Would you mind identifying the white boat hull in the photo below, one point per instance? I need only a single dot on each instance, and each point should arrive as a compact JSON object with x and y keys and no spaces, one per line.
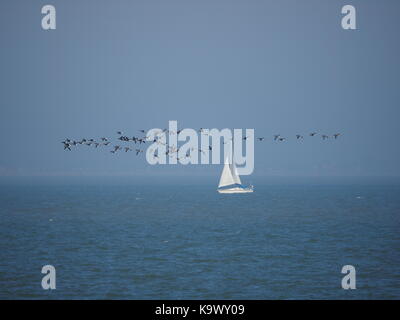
{"x":235,"y":190}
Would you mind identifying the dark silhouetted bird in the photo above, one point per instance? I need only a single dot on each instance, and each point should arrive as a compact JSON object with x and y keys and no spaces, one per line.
{"x":66,"y":145}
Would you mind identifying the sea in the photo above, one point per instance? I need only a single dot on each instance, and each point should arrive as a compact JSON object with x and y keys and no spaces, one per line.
{"x":186,"y":241}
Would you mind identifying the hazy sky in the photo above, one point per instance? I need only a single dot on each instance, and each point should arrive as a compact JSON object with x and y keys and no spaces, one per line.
{"x":282,"y":67}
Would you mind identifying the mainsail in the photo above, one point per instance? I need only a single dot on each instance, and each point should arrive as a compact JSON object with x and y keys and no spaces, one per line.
{"x":235,"y":175}
{"x":226,"y":176}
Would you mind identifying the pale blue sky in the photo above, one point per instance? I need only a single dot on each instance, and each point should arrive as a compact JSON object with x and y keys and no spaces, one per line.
{"x":282,"y":66}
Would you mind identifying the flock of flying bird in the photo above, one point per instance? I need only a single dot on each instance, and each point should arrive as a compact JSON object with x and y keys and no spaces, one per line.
{"x":68,"y":143}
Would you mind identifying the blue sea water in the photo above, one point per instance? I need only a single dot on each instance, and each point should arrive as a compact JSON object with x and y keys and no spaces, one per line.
{"x":189,"y":242}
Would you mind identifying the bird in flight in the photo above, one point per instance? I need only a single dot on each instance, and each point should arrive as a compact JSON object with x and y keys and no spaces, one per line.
{"x":66,"y":145}
{"x":260,"y":139}
{"x":299,"y":136}
{"x":312,"y":134}
{"x":336,"y":135}
{"x":123,"y":138}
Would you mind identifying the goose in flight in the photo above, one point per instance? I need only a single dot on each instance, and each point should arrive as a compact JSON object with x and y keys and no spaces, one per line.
{"x":66,"y":145}
{"x":336,"y":135}
{"x":123,"y":138}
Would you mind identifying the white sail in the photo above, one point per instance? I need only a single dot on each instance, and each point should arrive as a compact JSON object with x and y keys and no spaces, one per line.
{"x":230,"y":177}
{"x":226,"y":176}
{"x":235,"y":175}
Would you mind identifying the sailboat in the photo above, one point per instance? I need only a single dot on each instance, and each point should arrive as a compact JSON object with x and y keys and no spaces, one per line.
{"x":230,"y":180}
